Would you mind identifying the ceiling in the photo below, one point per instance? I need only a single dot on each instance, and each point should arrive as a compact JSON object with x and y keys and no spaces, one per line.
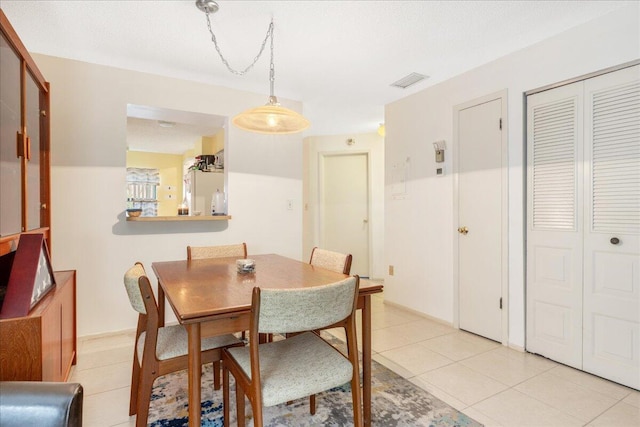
{"x":338,"y":57}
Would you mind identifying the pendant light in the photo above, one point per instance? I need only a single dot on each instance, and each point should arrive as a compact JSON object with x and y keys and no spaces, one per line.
{"x":270,"y":118}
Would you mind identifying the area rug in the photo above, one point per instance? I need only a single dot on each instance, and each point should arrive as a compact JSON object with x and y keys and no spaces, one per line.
{"x":396,"y":402}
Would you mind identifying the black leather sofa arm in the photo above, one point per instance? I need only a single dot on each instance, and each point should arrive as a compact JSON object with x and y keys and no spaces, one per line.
{"x":40,"y":404}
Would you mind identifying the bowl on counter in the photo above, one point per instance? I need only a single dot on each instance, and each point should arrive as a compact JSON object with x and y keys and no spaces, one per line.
{"x":134,"y":212}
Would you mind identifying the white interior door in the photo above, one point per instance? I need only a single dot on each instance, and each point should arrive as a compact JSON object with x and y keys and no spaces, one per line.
{"x":554,"y":224}
{"x":583,"y":225}
{"x":612,"y":227}
{"x":480,"y":250}
{"x":345,"y":207}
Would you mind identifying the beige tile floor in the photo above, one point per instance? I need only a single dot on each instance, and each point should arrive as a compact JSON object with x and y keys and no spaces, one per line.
{"x":491,"y":383}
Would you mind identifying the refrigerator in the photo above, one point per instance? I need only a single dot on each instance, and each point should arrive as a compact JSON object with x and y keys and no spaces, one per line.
{"x":201,"y":186}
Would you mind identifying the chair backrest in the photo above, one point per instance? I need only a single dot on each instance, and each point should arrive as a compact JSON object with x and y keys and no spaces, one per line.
{"x":142,"y":298}
{"x":132,"y":284}
{"x":303,"y":309}
{"x":334,"y":261}
{"x":144,"y":302}
{"x":201,"y":252}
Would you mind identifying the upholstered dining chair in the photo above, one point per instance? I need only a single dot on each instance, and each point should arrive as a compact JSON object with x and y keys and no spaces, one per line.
{"x":199,"y":252}
{"x":303,"y":364}
{"x":222,"y":251}
{"x":160,"y":350}
{"x":334,"y":261}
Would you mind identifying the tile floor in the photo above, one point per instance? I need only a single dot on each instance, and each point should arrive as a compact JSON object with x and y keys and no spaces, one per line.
{"x":491,"y":383}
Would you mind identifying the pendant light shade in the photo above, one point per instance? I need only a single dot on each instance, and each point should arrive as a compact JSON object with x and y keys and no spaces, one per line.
{"x":271,"y":119}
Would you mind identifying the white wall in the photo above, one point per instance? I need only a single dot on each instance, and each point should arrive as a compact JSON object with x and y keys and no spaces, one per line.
{"x":89,"y":232}
{"x":370,"y":143}
{"x":419,"y":228}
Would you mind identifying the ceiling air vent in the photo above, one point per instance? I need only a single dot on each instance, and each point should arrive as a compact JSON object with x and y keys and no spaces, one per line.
{"x":409,"y":80}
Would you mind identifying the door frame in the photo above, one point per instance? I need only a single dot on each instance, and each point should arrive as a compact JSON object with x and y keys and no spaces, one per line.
{"x":322,"y":155}
{"x":503,"y":96}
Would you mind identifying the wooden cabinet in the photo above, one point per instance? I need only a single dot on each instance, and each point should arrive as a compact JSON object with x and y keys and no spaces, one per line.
{"x":24,"y":139}
{"x":37,"y":343}
{"x":42,"y":345}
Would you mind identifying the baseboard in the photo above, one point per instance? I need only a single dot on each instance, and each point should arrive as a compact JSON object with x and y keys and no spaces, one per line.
{"x":419,"y":313}
{"x":517,"y":348}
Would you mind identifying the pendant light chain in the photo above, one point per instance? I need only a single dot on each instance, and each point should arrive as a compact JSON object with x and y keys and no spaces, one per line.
{"x":272,"y":69}
{"x":270,"y":118}
{"x":250,"y":66}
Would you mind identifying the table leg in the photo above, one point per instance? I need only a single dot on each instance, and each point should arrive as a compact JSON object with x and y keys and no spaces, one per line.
{"x":195,"y":373}
{"x":160,"y":305}
{"x":366,"y":359}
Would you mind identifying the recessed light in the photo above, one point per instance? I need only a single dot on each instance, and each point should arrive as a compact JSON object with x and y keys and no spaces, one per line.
{"x":166,"y":124}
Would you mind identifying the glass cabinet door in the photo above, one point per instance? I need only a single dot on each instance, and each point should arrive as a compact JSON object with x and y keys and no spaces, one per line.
{"x":10,"y":124}
{"x":33,"y":156}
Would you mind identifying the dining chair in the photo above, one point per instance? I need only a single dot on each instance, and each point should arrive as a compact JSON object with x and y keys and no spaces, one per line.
{"x":161,"y":350}
{"x":222,"y":251}
{"x":334,"y":261}
{"x":303,"y":364}
{"x":200,"y":252}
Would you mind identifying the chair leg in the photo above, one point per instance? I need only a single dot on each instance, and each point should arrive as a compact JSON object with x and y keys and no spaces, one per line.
{"x":144,"y":398}
{"x":356,"y":394}
{"x":135,"y":380}
{"x":240,"y":406}
{"x":225,"y":396}
{"x":312,"y":404}
{"x":356,"y":397}
{"x":216,"y":375}
{"x":256,"y":407}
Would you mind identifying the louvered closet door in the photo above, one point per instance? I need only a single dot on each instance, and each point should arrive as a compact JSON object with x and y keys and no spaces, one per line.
{"x":612,"y":227}
{"x":554,"y":224}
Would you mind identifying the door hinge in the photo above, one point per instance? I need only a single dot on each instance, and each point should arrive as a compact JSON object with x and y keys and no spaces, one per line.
{"x":500,"y":303}
{"x":501,"y":123}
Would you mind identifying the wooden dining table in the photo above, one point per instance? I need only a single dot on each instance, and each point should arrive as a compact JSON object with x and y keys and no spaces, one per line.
{"x":209,"y":297}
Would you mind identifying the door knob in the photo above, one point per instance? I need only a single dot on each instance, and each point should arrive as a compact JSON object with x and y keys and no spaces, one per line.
{"x":463,"y":230}
{"x":614,"y":240}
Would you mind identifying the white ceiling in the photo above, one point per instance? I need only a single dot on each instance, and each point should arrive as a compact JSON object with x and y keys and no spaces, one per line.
{"x":337,"y":57}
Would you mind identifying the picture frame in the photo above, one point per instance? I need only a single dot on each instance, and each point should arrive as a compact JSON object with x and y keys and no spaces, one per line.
{"x":31,"y":276}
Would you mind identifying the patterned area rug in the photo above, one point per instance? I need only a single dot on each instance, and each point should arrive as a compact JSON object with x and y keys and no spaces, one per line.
{"x":395,"y":402}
